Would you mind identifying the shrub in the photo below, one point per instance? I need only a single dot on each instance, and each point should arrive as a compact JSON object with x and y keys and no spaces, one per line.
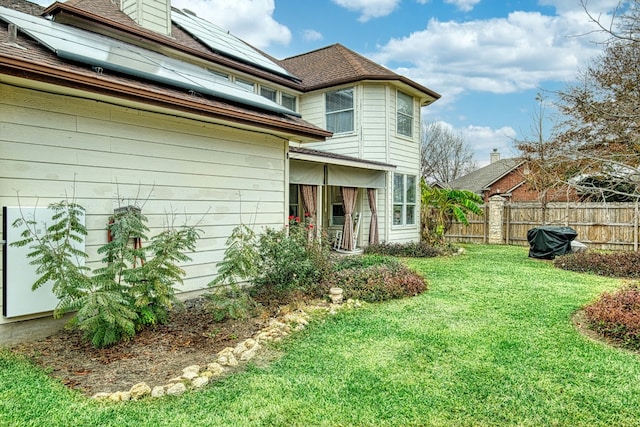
{"x":290,"y":264}
{"x":619,"y":264}
{"x":411,"y":249}
{"x":134,"y":288}
{"x":363,"y":261}
{"x":276,"y":266}
{"x":230,"y":303}
{"x":617,"y":316}
{"x":378,"y":282}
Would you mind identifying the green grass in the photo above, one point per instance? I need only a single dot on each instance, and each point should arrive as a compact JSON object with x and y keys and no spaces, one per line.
{"x":490,"y":344}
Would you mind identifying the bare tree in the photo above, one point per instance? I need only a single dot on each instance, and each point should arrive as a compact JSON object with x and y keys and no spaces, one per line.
{"x":541,"y":153}
{"x":445,"y":154}
{"x":601,"y":133}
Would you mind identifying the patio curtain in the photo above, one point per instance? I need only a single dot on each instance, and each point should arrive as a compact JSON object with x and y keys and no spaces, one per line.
{"x":349,"y":196}
{"x":373,"y":226}
{"x":309,"y":203}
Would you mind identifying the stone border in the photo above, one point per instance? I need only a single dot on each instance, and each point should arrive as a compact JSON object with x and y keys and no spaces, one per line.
{"x":195,"y":377}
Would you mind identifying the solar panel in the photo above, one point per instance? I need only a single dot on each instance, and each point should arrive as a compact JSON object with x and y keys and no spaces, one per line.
{"x":93,"y":49}
{"x":222,"y":42}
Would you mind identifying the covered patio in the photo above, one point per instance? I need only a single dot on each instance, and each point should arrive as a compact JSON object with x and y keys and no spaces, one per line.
{"x":344,"y":195}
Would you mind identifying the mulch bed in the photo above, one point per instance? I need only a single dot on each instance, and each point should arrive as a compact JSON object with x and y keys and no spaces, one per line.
{"x":154,"y":355}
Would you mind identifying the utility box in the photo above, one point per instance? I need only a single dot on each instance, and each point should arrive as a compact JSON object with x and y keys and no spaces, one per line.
{"x":547,"y":242}
{"x":18,"y":298}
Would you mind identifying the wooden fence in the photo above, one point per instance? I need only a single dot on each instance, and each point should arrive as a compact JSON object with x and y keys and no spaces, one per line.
{"x":612,"y":226}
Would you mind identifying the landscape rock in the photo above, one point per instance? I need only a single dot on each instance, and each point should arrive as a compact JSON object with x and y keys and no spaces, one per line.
{"x":215,"y":368}
{"x":189,"y":375}
{"x":200,"y":382}
{"x":250,"y":353}
{"x":120,"y":396}
{"x":227,"y":358}
{"x":192,"y":368}
{"x":176,"y":389}
{"x":239,"y":349}
{"x":158,"y":391}
{"x":140,"y":390}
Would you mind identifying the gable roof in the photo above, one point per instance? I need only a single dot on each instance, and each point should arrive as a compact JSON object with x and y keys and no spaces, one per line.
{"x":481,"y":179}
{"x":335,"y":65}
{"x":28,"y":61}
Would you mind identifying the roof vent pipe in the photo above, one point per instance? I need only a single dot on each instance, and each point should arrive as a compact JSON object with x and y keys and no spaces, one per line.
{"x":12,"y":36}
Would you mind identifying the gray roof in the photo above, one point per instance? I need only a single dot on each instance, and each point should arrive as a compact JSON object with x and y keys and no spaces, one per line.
{"x":480,"y":179}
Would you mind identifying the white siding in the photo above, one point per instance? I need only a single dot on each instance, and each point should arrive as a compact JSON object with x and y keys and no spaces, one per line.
{"x":312,"y":108}
{"x":54,"y":146}
{"x":374,"y":139}
{"x":404,"y":152}
{"x":375,"y":122}
{"x":154,"y":15}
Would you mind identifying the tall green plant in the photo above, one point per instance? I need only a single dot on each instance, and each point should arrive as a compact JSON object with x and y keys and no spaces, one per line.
{"x":229,"y":299}
{"x":134,"y":287}
{"x":442,"y":206}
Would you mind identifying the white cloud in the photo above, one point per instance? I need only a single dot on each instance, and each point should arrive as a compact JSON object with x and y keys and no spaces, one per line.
{"x":501,"y":55}
{"x":483,"y":140}
{"x":312,"y":35}
{"x":250,"y":20}
{"x":369,"y":8}
{"x":463,"y":5}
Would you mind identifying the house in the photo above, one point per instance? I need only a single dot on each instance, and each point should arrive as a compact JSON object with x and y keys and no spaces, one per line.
{"x":506,"y":178}
{"x":374,"y":115}
{"x":137,"y":103}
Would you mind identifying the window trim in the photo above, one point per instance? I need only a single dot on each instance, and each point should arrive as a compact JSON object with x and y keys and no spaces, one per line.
{"x":271,"y":91}
{"x":245,"y":84}
{"x":294,"y":98}
{"x":404,"y":204}
{"x":344,"y":110}
{"x":399,"y":113}
{"x":335,"y":201}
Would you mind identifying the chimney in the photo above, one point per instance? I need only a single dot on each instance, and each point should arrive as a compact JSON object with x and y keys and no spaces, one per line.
{"x":154,"y":15}
{"x":495,"y":156}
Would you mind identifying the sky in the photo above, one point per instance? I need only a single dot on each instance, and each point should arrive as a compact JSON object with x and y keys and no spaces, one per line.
{"x":487,"y":58}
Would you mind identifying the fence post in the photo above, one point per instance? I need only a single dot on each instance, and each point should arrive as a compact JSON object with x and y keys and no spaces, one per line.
{"x":496,"y":213}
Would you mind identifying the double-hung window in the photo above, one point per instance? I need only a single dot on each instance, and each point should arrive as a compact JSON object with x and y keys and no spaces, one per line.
{"x":405,"y":114}
{"x":339,"y":110}
{"x":404,"y":199}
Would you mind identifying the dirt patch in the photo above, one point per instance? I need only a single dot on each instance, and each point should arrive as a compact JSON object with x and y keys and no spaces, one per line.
{"x":581,"y":323}
{"x":155,"y":355}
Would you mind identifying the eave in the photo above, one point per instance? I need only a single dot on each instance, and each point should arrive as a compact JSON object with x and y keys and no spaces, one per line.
{"x":70,"y":15}
{"x":23,"y":72}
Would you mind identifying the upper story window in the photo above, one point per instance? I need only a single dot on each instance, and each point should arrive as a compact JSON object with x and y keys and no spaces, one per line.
{"x":245,"y":84}
{"x":289,"y":101}
{"x":269,"y":93}
{"x":220,"y":74}
{"x":405,"y":114}
{"x":339,"y":110}
{"x":404,"y":199}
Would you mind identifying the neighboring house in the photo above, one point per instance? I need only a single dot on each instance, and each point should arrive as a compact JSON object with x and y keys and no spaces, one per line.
{"x":505,"y":178}
{"x":139,"y":103}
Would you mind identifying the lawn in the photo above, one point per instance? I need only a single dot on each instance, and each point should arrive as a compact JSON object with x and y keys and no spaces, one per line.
{"x":490,"y":344}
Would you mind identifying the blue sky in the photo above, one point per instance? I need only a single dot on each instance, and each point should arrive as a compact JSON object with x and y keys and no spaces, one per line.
{"x":487,"y":58}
